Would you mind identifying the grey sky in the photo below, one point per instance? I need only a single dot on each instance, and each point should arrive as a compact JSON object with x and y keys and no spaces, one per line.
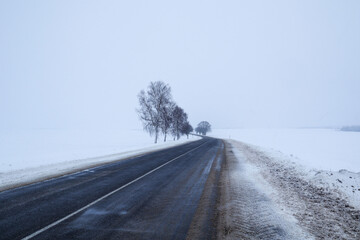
{"x":233,"y":63}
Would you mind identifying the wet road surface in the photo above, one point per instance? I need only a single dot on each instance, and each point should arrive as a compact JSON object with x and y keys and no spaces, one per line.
{"x":154,"y":196}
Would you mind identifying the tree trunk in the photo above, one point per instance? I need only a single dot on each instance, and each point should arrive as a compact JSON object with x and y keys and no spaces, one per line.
{"x":165,"y":138}
{"x":156,"y":137}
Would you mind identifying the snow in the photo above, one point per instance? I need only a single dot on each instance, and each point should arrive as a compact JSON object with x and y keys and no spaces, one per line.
{"x":323,"y":203}
{"x":325,"y":149}
{"x":327,"y":158}
{"x":35,"y":155}
{"x":248,"y":172}
{"x":344,"y":183}
{"x":249,"y":203}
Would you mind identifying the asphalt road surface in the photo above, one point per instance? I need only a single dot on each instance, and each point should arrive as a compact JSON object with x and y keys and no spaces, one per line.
{"x":153,"y":196}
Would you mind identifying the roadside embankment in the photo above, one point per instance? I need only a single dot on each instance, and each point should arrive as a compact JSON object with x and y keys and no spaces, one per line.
{"x":264,"y":198}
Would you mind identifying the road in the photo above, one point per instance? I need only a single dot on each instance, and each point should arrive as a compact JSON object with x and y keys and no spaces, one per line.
{"x":160,"y":195}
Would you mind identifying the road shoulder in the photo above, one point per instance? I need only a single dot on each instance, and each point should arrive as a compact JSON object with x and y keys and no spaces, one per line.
{"x":205,"y":220}
{"x":309,"y":211}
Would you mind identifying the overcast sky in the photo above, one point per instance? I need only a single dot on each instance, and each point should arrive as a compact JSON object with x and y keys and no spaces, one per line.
{"x":68,"y":64}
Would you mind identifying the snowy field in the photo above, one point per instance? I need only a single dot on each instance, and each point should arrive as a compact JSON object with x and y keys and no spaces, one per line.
{"x":26,"y":149}
{"x":34,"y":155}
{"x":327,"y":158}
{"x":323,"y":149}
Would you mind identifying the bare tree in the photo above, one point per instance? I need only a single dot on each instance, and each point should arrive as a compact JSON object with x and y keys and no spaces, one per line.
{"x":179,"y":117}
{"x":152,"y":105}
{"x":158,"y":112}
{"x":203,"y":128}
{"x":148,"y":115}
{"x":197,"y":131}
{"x":186,"y":129}
{"x":167,"y":118}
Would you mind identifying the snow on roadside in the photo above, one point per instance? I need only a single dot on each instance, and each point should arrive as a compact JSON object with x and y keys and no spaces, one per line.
{"x":248,"y":207}
{"x":39,"y":155}
{"x":322,"y":209}
{"x":343,"y":183}
{"x":321,"y":155}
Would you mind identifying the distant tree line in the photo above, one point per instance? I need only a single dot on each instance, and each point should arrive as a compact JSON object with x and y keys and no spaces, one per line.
{"x":160,"y":114}
{"x":203,"y":128}
{"x":351,"y":128}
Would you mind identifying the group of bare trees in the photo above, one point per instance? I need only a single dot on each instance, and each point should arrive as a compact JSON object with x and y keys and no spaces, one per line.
{"x":159,"y":113}
{"x":203,"y":128}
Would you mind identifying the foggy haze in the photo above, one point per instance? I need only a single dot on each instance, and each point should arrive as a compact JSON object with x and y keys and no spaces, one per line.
{"x":70,"y":64}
